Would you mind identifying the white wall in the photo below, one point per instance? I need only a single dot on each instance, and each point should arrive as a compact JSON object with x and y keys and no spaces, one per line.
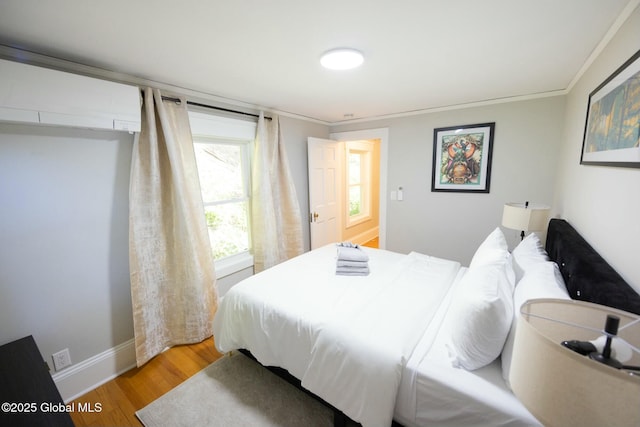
{"x":452,"y":225}
{"x":64,"y":258}
{"x":602,"y":203}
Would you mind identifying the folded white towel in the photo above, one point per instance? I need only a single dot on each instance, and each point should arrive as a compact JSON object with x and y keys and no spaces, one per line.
{"x":352,"y":254}
{"x":352,"y":271}
{"x":353,"y":267}
{"x":356,"y":264}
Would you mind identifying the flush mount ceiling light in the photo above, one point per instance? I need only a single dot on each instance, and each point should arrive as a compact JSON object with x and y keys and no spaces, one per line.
{"x":342,"y":59}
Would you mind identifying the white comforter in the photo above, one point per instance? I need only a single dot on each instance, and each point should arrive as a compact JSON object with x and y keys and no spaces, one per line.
{"x":346,"y":338}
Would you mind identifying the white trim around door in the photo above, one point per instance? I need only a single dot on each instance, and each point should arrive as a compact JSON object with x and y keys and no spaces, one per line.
{"x":383,"y":135}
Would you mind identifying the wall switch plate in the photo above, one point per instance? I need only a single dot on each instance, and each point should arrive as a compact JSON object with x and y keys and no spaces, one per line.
{"x":61,"y":359}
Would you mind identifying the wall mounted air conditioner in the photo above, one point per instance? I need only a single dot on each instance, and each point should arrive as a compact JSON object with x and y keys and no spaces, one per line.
{"x":40,"y":95}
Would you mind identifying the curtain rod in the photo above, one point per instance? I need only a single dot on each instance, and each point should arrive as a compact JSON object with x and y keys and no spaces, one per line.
{"x":228,"y":110}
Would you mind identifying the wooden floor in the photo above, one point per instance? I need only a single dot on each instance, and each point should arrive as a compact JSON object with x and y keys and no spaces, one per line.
{"x":121,"y":397}
{"x":373,"y":243}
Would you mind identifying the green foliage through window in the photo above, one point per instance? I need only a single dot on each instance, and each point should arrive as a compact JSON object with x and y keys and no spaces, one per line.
{"x":223,"y":181}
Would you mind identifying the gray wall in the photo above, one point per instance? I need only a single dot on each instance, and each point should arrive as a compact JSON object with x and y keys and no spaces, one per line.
{"x":64,"y":258}
{"x":603,"y":203}
{"x":295,"y":134}
{"x":452,"y":225}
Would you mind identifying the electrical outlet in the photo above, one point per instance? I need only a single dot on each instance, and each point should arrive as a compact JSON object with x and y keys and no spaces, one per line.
{"x":61,"y":359}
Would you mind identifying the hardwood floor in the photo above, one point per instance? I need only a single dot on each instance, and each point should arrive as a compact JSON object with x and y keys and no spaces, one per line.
{"x":373,"y":243}
{"x":121,"y":397}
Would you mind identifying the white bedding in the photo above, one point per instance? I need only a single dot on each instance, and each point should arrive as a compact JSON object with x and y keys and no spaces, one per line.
{"x":374,"y":346}
{"x":347,"y":338}
{"x":436,"y":394}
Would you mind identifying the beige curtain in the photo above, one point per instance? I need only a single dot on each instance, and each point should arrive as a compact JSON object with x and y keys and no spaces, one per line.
{"x":276,"y":225}
{"x":172,"y":275}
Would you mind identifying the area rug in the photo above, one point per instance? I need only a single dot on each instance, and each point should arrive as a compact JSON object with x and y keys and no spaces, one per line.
{"x":235,"y":391}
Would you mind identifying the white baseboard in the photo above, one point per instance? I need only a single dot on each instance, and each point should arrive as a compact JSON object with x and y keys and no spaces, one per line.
{"x":83,"y":377}
{"x":366,"y":236}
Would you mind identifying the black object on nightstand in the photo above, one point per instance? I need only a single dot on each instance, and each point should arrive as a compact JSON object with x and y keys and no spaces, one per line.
{"x":28,"y":395}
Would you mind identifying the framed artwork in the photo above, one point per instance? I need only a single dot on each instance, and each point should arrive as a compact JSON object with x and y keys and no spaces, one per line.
{"x":462,"y":158}
{"x":612,"y":129}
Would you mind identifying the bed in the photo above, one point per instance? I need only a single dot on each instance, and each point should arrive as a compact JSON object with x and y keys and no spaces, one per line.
{"x":421,"y":340}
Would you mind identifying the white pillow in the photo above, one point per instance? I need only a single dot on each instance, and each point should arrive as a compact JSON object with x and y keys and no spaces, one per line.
{"x":480,"y":316}
{"x":529,"y":253}
{"x":493,"y":249}
{"x":542,"y":280}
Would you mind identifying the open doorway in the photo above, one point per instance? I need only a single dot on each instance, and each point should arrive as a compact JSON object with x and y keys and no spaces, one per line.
{"x":361,"y":192}
{"x":339,"y":207}
{"x":344,"y":191}
{"x":363,"y":232}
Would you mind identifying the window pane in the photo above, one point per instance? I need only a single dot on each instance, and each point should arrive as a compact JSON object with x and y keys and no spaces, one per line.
{"x":220,"y":171}
{"x":354,"y":168}
{"x":228,"y":231}
{"x":355,"y":200}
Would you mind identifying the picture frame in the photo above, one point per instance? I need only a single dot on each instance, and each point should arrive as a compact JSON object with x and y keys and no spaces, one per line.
{"x":462,"y":158}
{"x":612,"y":127}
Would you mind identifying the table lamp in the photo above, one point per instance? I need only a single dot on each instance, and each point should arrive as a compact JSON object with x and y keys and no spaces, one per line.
{"x":564,"y":386}
{"x":524,"y":217}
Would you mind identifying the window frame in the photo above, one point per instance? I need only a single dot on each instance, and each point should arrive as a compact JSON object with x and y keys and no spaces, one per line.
{"x":244,"y":149}
{"x":214,"y":129}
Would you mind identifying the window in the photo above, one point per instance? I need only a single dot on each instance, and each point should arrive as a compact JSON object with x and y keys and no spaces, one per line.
{"x":359,"y":157}
{"x":355,"y":184}
{"x":222,"y":169}
{"x":223,"y":149}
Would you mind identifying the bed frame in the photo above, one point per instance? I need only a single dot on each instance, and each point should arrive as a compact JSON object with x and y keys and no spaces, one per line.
{"x":339,"y":418}
{"x":587,"y":275}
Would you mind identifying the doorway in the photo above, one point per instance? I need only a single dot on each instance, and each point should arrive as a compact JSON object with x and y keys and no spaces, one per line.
{"x":381,"y":134}
{"x":361,"y":191}
{"x":319,"y":231}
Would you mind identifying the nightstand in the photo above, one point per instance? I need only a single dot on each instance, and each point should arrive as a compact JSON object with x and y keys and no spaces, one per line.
{"x":28,"y":395}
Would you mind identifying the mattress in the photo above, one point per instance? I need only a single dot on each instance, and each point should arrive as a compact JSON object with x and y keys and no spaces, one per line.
{"x":346,"y":338}
{"x":430,"y":391}
{"x":374,"y":347}
{"x":435,"y":394}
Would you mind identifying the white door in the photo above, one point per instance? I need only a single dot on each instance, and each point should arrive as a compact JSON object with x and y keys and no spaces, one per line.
{"x":325,"y":176}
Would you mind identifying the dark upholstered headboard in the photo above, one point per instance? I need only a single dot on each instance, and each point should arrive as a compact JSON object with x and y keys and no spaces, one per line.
{"x":587,"y":275}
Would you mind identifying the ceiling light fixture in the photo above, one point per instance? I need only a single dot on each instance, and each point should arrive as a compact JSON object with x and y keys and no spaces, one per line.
{"x":342,"y":59}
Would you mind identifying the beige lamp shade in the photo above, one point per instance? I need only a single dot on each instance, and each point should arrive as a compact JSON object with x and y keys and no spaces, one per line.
{"x":525,"y":216}
{"x":563,"y":388}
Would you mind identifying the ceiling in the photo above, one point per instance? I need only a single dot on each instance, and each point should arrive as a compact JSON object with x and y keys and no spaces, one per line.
{"x":419,"y":54}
